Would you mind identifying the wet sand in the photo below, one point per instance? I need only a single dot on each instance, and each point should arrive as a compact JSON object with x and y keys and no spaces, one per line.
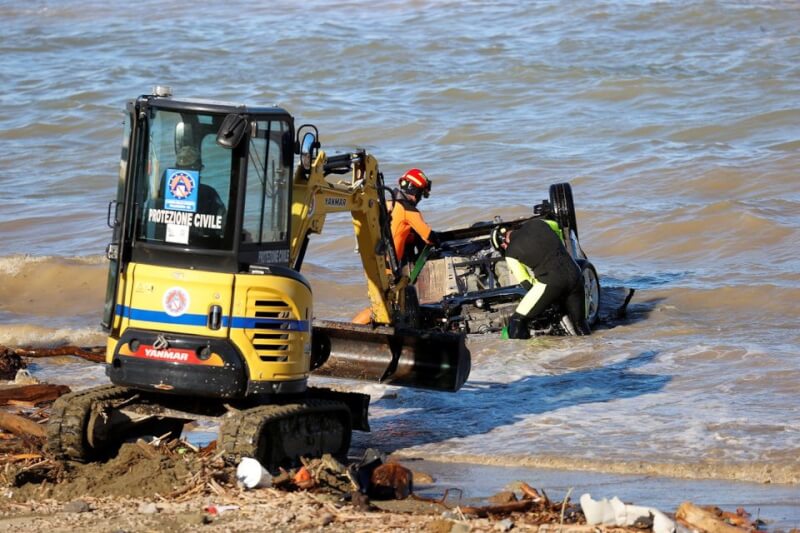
{"x":777,"y":504}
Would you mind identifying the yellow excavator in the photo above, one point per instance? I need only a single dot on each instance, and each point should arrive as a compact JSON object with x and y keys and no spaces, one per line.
{"x":208,"y":314}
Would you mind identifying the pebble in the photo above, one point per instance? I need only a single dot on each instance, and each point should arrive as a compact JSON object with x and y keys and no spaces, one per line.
{"x":460,"y":527}
{"x":148,"y":508}
{"x":77,"y":506}
{"x":326,"y":519}
{"x":505,"y":525}
{"x":505,"y":496}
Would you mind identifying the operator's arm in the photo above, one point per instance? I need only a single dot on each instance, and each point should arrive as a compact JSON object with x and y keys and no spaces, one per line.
{"x":418,"y":224}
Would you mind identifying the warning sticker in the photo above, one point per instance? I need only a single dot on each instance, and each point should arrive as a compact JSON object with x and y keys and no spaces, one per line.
{"x":182,"y":186}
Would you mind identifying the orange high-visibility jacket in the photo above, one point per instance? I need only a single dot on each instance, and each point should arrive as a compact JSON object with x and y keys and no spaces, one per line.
{"x":405,"y":219}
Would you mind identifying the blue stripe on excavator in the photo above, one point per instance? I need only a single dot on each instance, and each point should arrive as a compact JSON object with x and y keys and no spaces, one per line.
{"x":238,"y":322}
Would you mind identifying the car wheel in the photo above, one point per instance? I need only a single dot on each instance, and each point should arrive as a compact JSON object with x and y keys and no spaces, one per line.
{"x":591,"y":290}
{"x":563,"y":206}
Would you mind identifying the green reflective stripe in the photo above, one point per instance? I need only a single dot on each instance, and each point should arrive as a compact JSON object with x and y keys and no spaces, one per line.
{"x":519,"y":271}
{"x":555,"y":227}
{"x":423,"y":257}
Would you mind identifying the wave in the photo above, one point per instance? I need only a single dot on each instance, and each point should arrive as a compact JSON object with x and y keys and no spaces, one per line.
{"x":28,"y":335}
{"x":780,"y":471}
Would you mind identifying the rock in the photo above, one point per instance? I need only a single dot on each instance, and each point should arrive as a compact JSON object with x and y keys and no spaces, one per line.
{"x":360,"y":501}
{"x":148,"y":508}
{"x":77,"y":506}
{"x":391,"y":481}
{"x":505,"y":525}
{"x":422,"y":478}
{"x":502,"y":497}
{"x":10,"y":362}
{"x":439,"y":525}
{"x":326,"y":519}
{"x":460,"y":527}
{"x":193,"y":519}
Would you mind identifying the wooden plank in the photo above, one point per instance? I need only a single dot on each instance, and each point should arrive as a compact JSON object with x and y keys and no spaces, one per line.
{"x":20,"y":425}
{"x":31,"y":395}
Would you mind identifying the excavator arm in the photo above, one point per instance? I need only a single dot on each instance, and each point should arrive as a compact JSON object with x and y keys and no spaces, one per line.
{"x":316,"y":194}
{"x":390,"y":350}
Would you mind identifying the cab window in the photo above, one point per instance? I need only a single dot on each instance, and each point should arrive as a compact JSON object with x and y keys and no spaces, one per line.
{"x":184,"y":189}
{"x":266,"y":203}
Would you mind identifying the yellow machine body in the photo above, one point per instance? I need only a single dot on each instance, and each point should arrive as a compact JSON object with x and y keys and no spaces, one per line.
{"x":263,"y":320}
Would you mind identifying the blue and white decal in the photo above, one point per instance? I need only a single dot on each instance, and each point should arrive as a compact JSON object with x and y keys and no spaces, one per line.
{"x":182,"y":186}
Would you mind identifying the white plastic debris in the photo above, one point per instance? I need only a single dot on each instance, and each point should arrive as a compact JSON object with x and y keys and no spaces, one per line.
{"x":617,"y":513}
{"x":24,"y":377}
{"x":252,"y":475}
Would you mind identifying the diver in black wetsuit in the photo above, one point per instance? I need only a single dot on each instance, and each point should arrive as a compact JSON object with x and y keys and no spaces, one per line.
{"x":538,"y":259}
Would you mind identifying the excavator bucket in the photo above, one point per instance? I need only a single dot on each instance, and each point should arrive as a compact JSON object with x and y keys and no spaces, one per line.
{"x":408,"y":358}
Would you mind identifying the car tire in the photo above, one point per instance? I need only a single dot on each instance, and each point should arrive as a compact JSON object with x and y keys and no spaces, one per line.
{"x":591,"y":289}
{"x":563,"y":206}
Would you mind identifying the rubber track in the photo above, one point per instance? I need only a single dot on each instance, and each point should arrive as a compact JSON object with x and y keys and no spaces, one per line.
{"x":66,"y":428}
{"x":239,"y":433}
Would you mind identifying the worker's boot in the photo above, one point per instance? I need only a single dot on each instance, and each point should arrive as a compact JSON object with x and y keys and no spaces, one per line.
{"x":517,"y":327}
{"x":575,"y":327}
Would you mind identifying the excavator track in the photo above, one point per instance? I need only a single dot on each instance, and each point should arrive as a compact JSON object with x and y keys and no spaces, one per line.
{"x":69,"y":419}
{"x":278,"y":435}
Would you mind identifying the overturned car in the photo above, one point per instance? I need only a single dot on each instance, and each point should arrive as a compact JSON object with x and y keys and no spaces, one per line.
{"x":464,"y":284}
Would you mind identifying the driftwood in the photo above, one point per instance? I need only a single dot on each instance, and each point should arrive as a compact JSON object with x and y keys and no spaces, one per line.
{"x":696,"y":517}
{"x":500,"y":509}
{"x":94,"y":354}
{"x":20,"y":425}
{"x":31,"y":395}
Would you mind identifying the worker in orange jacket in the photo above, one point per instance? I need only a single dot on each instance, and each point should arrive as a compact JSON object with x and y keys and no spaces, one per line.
{"x":408,"y":226}
{"x":409,"y":229}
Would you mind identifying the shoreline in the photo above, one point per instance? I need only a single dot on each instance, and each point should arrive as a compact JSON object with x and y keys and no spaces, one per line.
{"x":753,"y":473}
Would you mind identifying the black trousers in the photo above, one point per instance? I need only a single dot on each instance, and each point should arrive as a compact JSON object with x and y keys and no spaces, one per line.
{"x":559,"y":279}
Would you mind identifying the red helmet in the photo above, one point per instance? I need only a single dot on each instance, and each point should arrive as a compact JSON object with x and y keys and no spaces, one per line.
{"x":415,"y":182}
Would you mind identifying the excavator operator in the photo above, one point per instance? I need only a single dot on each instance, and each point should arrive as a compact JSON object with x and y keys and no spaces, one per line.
{"x":409,"y":229}
{"x":540,"y":262}
{"x":408,"y":226}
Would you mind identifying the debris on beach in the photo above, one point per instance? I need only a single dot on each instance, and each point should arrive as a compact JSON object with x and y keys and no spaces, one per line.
{"x":32,"y":395}
{"x":714,"y":520}
{"x":166,"y":473}
{"x":10,"y":363}
{"x":170,"y":472}
{"x":95,"y":354}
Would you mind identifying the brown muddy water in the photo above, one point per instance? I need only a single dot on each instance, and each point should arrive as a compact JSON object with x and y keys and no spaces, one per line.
{"x":677,"y":124}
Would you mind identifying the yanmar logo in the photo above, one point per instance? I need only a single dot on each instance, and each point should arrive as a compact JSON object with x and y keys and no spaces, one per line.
{"x":172,"y":355}
{"x":168,"y":355}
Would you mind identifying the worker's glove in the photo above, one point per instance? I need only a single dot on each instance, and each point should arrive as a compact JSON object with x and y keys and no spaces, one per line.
{"x":527,"y":285}
{"x":518,"y":327}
